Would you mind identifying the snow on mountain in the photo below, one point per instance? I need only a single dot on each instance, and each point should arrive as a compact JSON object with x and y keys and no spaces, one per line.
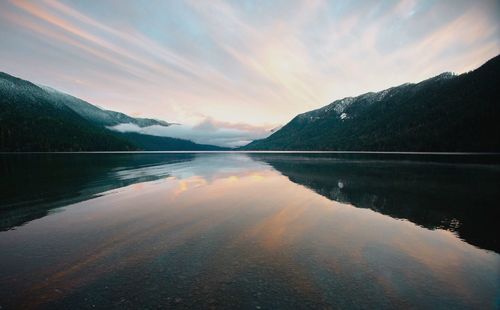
{"x":98,"y":115}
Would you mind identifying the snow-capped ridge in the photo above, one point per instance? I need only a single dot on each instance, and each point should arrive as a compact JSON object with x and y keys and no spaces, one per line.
{"x":96,"y":113}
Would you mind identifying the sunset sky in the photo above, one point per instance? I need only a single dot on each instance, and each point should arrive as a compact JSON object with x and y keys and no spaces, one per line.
{"x":239,"y":68}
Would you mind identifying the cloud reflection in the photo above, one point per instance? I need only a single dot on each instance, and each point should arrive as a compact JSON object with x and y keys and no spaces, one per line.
{"x":224,"y":222}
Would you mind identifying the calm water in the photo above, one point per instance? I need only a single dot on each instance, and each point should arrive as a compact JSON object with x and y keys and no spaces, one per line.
{"x":255,"y":231}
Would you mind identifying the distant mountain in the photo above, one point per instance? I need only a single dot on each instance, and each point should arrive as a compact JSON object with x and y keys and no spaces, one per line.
{"x":445,"y":113}
{"x":38,"y":118}
{"x":156,"y":143}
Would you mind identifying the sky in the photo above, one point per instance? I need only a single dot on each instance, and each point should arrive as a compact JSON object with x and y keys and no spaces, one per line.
{"x":229,"y":71}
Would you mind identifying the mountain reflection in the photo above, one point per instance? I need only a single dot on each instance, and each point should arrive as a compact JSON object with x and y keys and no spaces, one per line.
{"x":459,"y":197}
{"x":455,"y":196}
{"x":33,"y":184}
{"x":231,"y":230}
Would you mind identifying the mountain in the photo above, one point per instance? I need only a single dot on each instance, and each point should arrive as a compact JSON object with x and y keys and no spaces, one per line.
{"x":156,"y":143}
{"x":446,"y":113}
{"x":31,"y":121}
{"x":38,"y":118}
{"x":95,"y":114}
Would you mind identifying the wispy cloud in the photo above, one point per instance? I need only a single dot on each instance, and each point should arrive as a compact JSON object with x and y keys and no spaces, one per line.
{"x":247,"y":63}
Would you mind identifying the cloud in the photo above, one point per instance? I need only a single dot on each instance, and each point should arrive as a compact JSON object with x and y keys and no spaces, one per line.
{"x":208,"y":131}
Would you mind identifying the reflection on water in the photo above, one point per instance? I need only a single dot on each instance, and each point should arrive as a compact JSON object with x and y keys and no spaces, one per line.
{"x":254,"y":231}
{"x":34,"y":184}
{"x":454,"y":196}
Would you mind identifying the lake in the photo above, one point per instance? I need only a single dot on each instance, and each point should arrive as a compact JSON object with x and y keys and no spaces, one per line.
{"x":247,"y":230}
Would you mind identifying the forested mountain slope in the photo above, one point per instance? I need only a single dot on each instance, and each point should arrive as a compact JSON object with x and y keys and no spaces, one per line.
{"x":445,"y":113}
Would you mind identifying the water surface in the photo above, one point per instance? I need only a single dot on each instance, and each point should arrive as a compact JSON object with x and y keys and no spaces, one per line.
{"x":248,"y":231}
